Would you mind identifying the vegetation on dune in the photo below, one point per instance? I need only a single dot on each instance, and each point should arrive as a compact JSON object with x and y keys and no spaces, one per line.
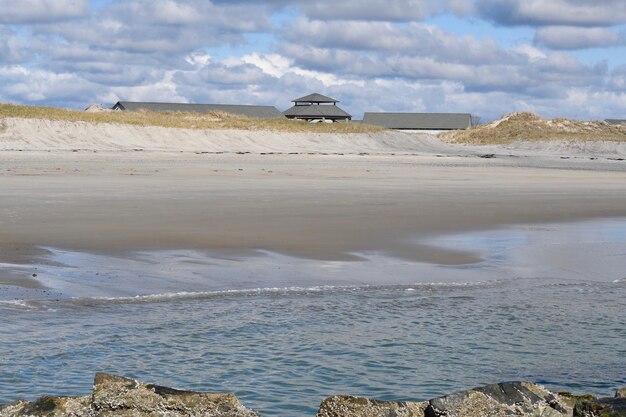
{"x":516,"y":127}
{"x":210,"y":120}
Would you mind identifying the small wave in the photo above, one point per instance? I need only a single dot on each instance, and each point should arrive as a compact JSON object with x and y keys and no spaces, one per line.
{"x":196,"y":295}
{"x":271,"y":291}
{"x":25,"y":305}
{"x":17,"y":303}
{"x":44,"y":305}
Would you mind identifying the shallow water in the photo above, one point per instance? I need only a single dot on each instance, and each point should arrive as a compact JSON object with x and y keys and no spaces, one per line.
{"x":382,"y":328}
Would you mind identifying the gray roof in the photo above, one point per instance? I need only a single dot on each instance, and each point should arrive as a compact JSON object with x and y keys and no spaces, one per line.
{"x":616,"y":121}
{"x":315,"y":98}
{"x":253,"y":112}
{"x":316,"y":111}
{"x":419,"y":121}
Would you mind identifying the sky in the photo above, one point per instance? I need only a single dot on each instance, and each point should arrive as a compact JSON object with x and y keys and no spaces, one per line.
{"x":556,"y":58}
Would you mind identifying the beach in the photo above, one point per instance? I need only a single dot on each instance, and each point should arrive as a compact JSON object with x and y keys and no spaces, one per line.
{"x":308,"y":205}
{"x":450,"y":265}
{"x":313,"y":206}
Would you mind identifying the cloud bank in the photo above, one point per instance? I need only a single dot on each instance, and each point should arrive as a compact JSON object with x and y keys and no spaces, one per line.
{"x":394,"y":55}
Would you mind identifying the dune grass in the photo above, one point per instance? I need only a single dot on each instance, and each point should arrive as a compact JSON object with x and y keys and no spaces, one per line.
{"x":529,"y":127}
{"x":211,"y":120}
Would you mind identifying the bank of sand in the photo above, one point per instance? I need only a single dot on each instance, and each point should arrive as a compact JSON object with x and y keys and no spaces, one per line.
{"x":295,"y":195}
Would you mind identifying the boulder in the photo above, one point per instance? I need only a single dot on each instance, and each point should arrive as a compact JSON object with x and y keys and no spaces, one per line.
{"x":500,"y":400}
{"x":347,"y":406}
{"x":602,"y":407}
{"x":620,"y":393}
{"x":114,"y":396}
{"x":49,"y":406}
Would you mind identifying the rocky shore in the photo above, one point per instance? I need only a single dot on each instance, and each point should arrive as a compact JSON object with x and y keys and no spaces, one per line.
{"x":122,"y":397}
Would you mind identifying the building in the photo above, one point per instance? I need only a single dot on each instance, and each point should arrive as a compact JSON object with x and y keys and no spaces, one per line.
{"x":419,"y":121}
{"x":316,"y":108}
{"x":253,"y":112}
{"x":616,"y":121}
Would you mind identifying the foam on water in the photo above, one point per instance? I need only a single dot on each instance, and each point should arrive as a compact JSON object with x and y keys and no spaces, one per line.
{"x":46,"y":304}
{"x":192,"y":273}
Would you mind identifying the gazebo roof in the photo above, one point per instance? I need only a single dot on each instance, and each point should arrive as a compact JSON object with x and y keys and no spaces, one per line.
{"x":316,"y":112}
{"x":315,"y":98}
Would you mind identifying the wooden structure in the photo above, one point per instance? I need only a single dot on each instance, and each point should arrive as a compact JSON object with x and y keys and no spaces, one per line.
{"x":316,"y":108}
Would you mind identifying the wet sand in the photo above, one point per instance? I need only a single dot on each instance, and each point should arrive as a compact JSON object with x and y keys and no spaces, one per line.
{"x":326,"y":207}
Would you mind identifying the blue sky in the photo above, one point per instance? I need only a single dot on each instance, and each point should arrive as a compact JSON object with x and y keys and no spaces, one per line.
{"x":487,"y":57}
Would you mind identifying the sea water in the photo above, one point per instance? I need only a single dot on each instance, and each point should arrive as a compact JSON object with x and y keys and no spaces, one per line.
{"x":383,"y":328}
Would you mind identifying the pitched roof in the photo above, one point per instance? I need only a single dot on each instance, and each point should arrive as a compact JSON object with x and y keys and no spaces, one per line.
{"x":616,"y":121}
{"x":424,"y":121}
{"x":316,"y":111}
{"x":253,"y":112}
{"x":315,"y":98}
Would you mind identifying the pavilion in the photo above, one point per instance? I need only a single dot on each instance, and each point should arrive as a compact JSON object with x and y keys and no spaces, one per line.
{"x":316,"y":108}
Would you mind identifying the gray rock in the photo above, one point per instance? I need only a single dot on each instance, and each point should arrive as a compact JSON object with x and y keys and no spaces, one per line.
{"x":346,"y":406}
{"x":620,"y":393}
{"x":603,"y":407}
{"x":114,"y":396}
{"x":500,"y":400}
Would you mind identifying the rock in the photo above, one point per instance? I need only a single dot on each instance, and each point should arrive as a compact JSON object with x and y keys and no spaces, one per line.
{"x":603,"y":407}
{"x":499,"y":400}
{"x":620,"y":393}
{"x":49,"y":406}
{"x":346,"y":406}
{"x":114,"y":396}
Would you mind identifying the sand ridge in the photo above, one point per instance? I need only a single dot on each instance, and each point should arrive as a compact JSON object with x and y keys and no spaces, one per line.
{"x":44,"y":135}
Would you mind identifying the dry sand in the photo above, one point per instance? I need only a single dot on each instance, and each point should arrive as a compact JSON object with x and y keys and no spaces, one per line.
{"x":305,"y":201}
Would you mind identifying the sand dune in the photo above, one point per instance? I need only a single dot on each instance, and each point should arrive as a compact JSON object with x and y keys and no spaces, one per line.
{"x":529,"y":127}
{"x":41,"y":135}
{"x":56,"y":135}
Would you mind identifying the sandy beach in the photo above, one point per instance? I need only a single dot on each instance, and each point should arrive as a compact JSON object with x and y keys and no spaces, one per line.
{"x":333,"y":257}
{"x":291,"y":199}
{"x":112,"y":188}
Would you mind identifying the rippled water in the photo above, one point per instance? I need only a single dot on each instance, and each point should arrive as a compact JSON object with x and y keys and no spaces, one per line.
{"x":283,"y":350}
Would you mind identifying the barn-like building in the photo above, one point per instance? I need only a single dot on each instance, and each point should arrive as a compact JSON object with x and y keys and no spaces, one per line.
{"x":252,"y":112}
{"x":419,"y":121}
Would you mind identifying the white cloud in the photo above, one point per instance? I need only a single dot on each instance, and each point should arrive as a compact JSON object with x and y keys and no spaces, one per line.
{"x":23,"y":84}
{"x":271,"y":64}
{"x":41,"y":11}
{"x":569,"y":37}
{"x":618,"y":79}
{"x":554,"y":12}
{"x":530,"y":51}
{"x":173,"y":12}
{"x":12,"y":49}
{"x":372,"y":55}
{"x":383,"y":10}
{"x":164,"y":89}
{"x":387,"y":38}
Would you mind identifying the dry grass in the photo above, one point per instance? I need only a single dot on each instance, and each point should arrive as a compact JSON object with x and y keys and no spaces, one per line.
{"x":516,"y":127}
{"x":211,"y":120}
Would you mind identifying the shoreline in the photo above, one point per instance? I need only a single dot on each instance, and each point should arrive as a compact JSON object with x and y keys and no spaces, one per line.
{"x":583,"y":251}
{"x":313,"y":207}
